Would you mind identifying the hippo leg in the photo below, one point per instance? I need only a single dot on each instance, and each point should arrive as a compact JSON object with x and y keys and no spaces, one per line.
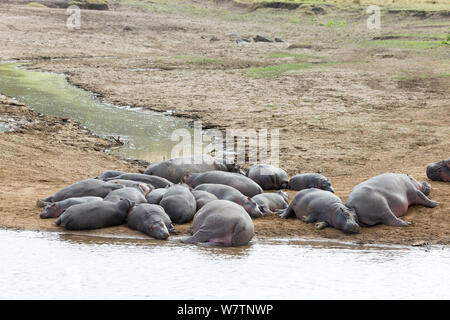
{"x":389,"y":219}
{"x":422,"y":199}
{"x":199,"y":236}
{"x":287,"y":213}
{"x":321,"y":225}
{"x":308,"y":219}
{"x":172,"y":229}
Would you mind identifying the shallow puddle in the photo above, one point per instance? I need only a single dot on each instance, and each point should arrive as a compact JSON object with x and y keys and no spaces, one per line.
{"x":58,"y":266}
{"x":146,"y":135}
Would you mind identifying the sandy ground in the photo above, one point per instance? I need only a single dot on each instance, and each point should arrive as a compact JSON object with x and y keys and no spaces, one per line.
{"x":346,"y":105}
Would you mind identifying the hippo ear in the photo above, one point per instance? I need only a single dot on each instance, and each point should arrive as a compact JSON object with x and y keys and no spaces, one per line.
{"x":447,"y":163}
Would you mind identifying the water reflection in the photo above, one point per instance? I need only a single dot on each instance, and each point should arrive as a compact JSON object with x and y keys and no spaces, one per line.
{"x":57,"y":265}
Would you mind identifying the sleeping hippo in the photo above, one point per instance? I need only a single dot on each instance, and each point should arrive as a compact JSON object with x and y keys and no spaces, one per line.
{"x":179,"y":203}
{"x":155,"y":196}
{"x":224,"y":192}
{"x":110,"y":174}
{"x":268,"y":177}
{"x":316,"y":205}
{"x":238,"y":181}
{"x":84,"y":188}
{"x":95,"y":215}
{"x":202,"y":197}
{"x":136,"y":194}
{"x":271,"y":202}
{"x":55,"y":209}
{"x":222,"y":222}
{"x":384,"y":198}
{"x":439,"y":171}
{"x":155,"y":181}
{"x":175,"y":169}
{"x":131,"y":183}
{"x":150,"y":219}
{"x":309,"y":180}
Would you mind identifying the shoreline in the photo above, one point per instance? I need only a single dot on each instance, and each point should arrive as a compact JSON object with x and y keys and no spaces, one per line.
{"x":363,"y":115}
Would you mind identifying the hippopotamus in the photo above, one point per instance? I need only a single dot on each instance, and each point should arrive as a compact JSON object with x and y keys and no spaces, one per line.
{"x":155,"y":196}
{"x":84,"y":188}
{"x":271,"y":202}
{"x":202,"y":197}
{"x":311,"y":205}
{"x":55,"y":209}
{"x":179,"y":203}
{"x":238,"y":181}
{"x":131,"y":183}
{"x":224,"y":192}
{"x":136,"y":194}
{"x":150,"y":219}
{"x":268,"y":177}
{"x":155,"y":181}
{"x":175,"y":169}
{"x":95,"y":215}
{"x":222,"y":222}
{"x":110,"y":174}
{"x":439,"y":171}
{"x":384,"y":198}
{"x":309,"y":180}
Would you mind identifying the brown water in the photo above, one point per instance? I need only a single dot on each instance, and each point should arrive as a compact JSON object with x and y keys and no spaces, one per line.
{"x":57,"y":266}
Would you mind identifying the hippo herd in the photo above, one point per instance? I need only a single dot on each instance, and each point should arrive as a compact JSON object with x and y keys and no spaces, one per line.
{"x":221,"y":199}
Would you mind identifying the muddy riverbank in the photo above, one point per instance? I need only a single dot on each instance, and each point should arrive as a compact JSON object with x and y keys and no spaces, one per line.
{"x":346,"y":105}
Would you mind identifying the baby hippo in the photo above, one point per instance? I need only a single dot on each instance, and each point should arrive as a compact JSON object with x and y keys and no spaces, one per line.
{"x":268,"y":177}
{"x":439,"y":171}
{"x":310,"y":180}
{"x":55,"y":209}
{"x":136,"y":194}
{"x":311,"y":205}
{"x":222,"y":222}
{"x":152,"y":220}
{"x":272,"y":202}
{"x":384,"y":198}
{"x":203,"y":197}
{"x":95,"y":215}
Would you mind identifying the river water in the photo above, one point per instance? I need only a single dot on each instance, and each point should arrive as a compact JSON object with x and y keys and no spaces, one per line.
{"x":36,"y":265}
{"x":146,"y":134}
{"x":57,"y":266}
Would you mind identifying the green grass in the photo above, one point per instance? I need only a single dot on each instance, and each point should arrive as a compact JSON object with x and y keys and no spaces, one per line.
{"x":332,"y":23}
{"x":275,"y":71}
{"x":36,"y":5}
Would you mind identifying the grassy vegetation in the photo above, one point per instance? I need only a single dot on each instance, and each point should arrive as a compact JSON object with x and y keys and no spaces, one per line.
{"x":36,"y":5}
{"x":275,"y":71}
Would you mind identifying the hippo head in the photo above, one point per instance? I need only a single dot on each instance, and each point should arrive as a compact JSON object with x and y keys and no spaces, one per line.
{"x":233,"y":167}
{"x":251,"y":207}
{"x":156,"y":228}
{"x":51,"y":211}
{"x":324,"y":184}
{"x":187,"y":179}
{"x":439,"y":171}
{"x":347,"y":220}
{"x":424,"y":186}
